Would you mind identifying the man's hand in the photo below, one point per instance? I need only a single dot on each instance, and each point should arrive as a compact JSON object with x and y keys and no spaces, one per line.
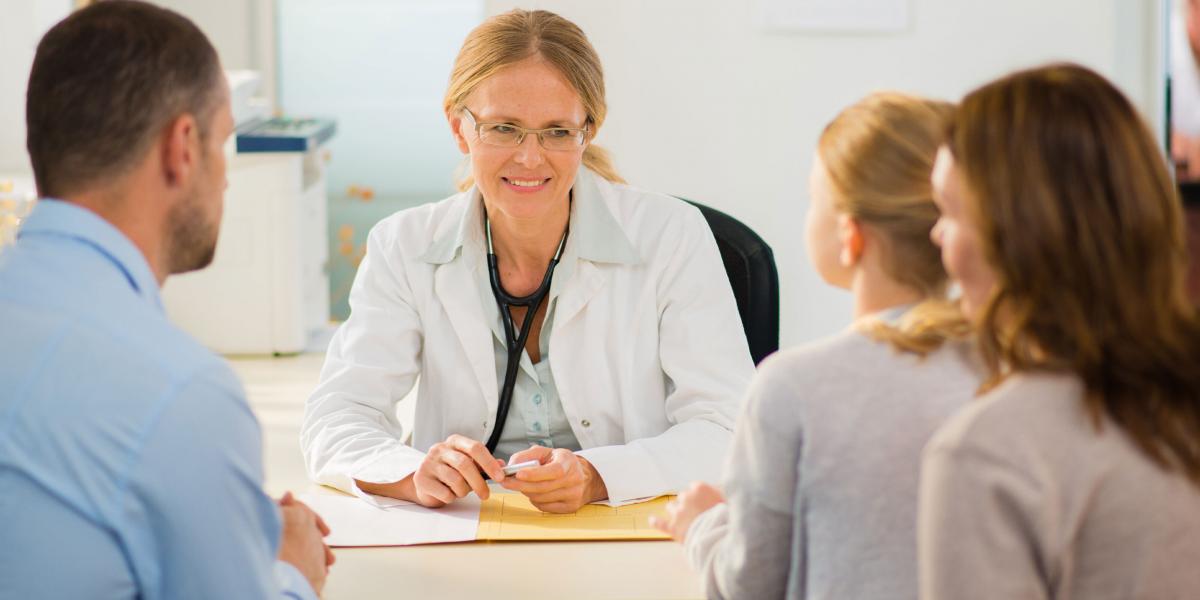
{"x":563,"y":483}
{"x":302,"y":543}
{"x":684,"y":509}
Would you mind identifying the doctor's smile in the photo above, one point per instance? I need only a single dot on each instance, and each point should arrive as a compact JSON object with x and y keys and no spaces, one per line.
{"x":525,"y":185}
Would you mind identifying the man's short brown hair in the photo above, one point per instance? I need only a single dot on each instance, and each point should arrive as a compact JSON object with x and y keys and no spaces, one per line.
{"x":105,"y":81}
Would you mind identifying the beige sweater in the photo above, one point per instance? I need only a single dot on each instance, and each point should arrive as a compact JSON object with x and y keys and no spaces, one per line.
{"x":1021,"y":497}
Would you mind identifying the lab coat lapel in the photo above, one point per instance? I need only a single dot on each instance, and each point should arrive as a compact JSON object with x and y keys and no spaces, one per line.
{"x":599,"y":242}
{"x":458,"y":253}
{"x":455,"y":284}
{"x":589,"y":279}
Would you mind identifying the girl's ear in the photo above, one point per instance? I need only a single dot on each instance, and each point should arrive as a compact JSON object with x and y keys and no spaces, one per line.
{"x":850,"y":234}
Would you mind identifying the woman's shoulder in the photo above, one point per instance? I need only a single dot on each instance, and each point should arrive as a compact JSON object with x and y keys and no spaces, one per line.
{"x":1027,"y":411}
{"x":801,"y":371}
{"x":850,"y":370}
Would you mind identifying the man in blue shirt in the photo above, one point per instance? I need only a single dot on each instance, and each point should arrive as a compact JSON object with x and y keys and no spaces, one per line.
{"x":130,"y":463}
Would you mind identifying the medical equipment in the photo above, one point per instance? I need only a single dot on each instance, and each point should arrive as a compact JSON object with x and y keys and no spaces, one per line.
{"x":267,"y":290}
{"x":514,"y":341}
{"x":283,"y":134}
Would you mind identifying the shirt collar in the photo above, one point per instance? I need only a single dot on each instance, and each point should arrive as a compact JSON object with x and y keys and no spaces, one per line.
{"x":54,"y":217}
{"x":595,"y":235}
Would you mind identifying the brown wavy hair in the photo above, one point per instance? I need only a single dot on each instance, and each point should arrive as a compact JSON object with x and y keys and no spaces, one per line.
{"x":1081,"y":223}
{"x":878,"y":154}
{"x":513,"y":36}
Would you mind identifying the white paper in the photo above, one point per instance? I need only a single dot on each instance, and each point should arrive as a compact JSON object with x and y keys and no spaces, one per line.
{"x":353,"y":522}
{"x":834,"y":15}
{"x":379,"y":501}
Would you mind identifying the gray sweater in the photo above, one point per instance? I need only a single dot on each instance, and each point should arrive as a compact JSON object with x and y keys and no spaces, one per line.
{"x":1021,"y":497}
{"x":821,"y":486}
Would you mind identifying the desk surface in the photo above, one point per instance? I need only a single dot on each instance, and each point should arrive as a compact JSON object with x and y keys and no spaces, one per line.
{"x":654,"y":569}
{"x":603,"y":569}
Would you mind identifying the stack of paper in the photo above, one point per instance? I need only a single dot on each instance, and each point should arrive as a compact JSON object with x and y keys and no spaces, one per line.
{"x":355,"y":522}
{"x":512,"y":517}
{"x":503,"y":516}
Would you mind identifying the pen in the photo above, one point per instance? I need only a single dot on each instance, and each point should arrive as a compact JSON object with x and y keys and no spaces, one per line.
{"x":521,"y":466}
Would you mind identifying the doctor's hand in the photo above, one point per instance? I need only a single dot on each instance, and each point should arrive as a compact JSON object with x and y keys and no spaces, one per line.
{"x":563,"y":483}
{"x":451,"y":470}
{"x":684,"y":509}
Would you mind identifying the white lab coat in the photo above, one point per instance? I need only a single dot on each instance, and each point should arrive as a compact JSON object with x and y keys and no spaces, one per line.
{"x":647,"y":349}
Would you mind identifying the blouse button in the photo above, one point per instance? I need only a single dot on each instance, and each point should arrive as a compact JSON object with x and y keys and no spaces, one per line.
{"x":586,"y":423}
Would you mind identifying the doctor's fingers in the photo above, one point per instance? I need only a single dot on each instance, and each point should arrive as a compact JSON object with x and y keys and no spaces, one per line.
{"x":541,"y":454}
{"x":478,"y":452}
{"x":563,"y":464}
{"x":452,"y":479}
{"x":430,"y":490}
{"x":566,"y":500}
{"x":468,"y":470}
{"x":542,"y":487}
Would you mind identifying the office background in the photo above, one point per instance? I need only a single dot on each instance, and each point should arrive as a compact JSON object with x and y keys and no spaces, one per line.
{"x":705,"y":101}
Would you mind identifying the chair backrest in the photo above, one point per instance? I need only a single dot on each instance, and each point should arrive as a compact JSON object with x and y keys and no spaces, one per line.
{"x":750,"y":266}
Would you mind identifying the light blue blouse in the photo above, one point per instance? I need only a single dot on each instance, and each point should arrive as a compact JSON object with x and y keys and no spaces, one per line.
{"x":536,"y":415}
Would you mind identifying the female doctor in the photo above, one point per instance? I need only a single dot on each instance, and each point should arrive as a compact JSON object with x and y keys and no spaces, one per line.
{"x":624,"y":381}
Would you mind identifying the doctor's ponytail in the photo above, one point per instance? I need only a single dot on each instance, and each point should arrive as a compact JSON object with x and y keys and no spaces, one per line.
{"x":511,"y":37}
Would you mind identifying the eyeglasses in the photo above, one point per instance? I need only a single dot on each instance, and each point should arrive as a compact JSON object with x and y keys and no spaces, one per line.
{"x":509,"y":135}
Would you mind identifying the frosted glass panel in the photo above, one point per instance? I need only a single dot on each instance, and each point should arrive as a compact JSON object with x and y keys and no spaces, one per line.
{"x":380,"y":68}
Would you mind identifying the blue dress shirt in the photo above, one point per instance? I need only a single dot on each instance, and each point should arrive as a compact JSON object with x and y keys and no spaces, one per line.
{"x":130,"y":463}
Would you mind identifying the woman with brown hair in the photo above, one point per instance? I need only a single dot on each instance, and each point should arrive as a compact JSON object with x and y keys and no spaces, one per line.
{"x":1077,"y":474}
{"x":554,"y":315}
{"x":822,"y":486}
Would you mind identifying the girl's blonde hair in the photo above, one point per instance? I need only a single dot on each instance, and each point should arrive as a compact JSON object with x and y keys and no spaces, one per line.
{"x":516,"y":35}
{"x":879,"y":154}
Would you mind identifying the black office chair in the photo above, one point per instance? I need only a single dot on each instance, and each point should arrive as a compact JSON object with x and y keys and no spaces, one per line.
{"x":750,"y":266}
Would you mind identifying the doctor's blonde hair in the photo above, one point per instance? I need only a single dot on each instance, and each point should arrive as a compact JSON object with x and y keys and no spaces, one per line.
{"x":511,"y":37}
{"x":878,"y":155}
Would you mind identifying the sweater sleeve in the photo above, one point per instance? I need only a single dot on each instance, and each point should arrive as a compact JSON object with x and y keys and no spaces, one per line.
{"x":743,"y":549}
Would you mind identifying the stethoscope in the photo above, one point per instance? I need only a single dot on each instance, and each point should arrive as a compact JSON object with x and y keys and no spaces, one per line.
{"x":514,"y":341}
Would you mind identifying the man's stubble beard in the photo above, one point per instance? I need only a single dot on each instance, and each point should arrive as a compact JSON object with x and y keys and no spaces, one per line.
{"x":193,"y":239}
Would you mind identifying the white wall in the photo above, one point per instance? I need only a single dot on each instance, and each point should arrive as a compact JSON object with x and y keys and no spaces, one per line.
{"x":706,"y":105}
{"x":22,"y":24}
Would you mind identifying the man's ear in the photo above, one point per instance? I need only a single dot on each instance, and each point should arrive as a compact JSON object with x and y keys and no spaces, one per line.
{"x":456,"y":125}
{"x":850,"y":233}
{"x":180,"y":145}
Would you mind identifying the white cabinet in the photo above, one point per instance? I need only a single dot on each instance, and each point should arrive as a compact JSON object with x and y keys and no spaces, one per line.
{"x":267,"y":290}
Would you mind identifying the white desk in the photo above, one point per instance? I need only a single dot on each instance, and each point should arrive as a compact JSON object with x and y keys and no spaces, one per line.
{"x":499,"y":570}
{"x":277,"y":389}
